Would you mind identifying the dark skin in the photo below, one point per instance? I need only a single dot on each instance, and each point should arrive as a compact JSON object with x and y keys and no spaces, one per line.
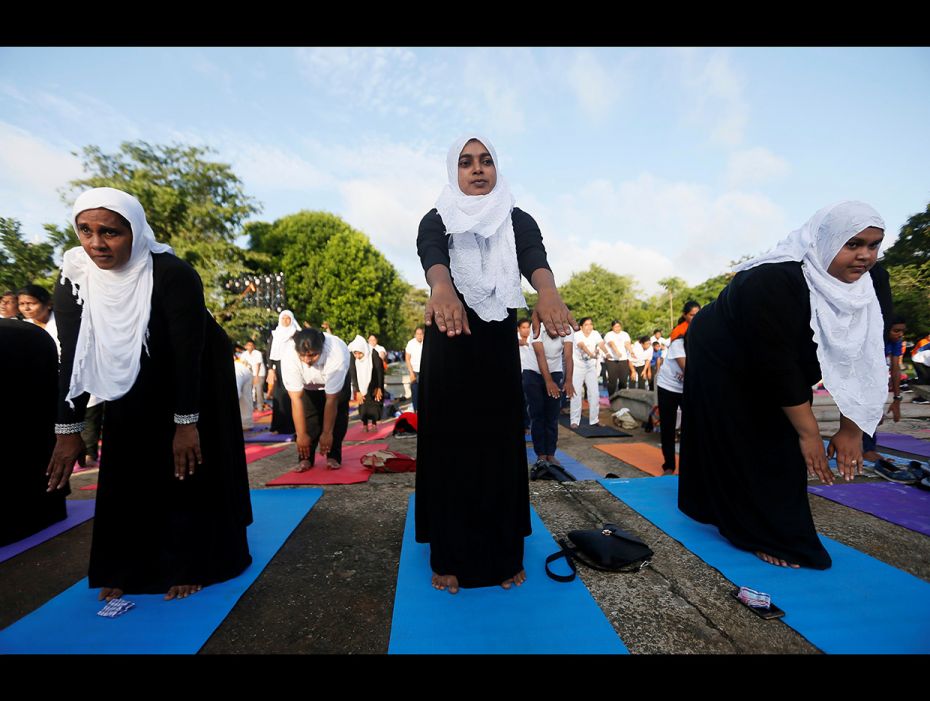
{"x":106,"y":237}
{"x":330,"y":409}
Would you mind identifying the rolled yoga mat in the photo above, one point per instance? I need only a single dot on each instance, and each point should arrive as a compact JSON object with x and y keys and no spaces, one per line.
{"x":69,"y":623}
{"x":642,"y":456}
{"x":585,"y":430}
{"x":78,"y":510}
{"x":906,"y":444}
{"x":540,"y":616}
{"x":351,"y":472}
{"x":575,"y":468}
{"x":899,"y":504}
{"x":859,"y":605}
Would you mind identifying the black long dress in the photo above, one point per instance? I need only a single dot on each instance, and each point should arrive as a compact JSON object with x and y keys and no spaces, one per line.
{"x":29,"y":383}
{"x":472,"y":487}
{"x":151,"y":530}
{"x":370,"y":409}
{"x":750,"y":353}
{"x":282,"y":417}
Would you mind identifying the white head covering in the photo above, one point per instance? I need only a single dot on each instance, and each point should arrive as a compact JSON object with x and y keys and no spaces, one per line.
{"x":364,"y":366}
{"x":117,"y":303}
{"x":482,"y":250}
{"x":846,"y":317}
{"x":282,"y":334}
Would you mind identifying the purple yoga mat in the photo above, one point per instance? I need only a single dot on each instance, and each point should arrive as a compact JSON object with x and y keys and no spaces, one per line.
{"x":79,"y":510}
{"x":267,"y":437}
{"x":906,"y":444}
{"x":899,"y":504}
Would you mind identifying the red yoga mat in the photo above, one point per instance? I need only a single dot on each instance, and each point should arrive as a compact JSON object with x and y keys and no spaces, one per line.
{"x":357,"y":432}
{"x":88,"y":487}
{"x":351,"y":472}
{"x":255,"y":452}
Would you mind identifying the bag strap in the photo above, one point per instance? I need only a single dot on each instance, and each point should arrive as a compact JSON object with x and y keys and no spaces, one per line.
{"x":567,"y":554}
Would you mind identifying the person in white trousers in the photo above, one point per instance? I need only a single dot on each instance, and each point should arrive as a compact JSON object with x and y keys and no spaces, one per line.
{"x":587,"y":342}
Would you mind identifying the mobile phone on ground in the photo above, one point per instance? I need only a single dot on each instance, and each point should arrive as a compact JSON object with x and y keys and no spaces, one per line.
{"x":765,"y":613}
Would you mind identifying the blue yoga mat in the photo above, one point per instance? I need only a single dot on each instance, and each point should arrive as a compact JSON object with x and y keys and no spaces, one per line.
{"x":859,"y":605}
{"x":541,"y":616}
{"x":576,"y":469}
{"x":69,"y":623}
{"x":78,"y":510}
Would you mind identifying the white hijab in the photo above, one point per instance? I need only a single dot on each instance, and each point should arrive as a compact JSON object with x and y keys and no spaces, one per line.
{"x":363,"y":367}
{"x":845,"y":317}
{"x":482,"y":249}
{"x":282,"y":334}
{"x":117,"y":303}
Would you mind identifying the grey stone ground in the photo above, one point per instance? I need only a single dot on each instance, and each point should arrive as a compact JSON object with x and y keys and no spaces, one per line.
{"x":330,"y":588}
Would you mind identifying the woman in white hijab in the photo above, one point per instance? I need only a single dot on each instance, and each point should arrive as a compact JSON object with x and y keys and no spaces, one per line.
{"x":282,"y":338}
{"x":367,"y":373}
{"x":808,"y":309}
{"x":472,"y":503}
{"x":172,"y":498}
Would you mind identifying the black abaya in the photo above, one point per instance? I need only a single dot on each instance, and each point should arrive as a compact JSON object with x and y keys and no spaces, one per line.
{"x":29,"y":381}
{"x":472,"y":487}
{"x":370,"y":409}
{"x":151,"y":530}
{"x":750,"y":353}
{"x":282,"y":416}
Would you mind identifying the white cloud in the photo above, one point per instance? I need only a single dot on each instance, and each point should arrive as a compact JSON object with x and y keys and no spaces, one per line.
{"x":596,"y":87}
{"x":755,"y":166}
{"x":715,"y":95}
{"x":32,"y":171}
{"x":271,"y":168}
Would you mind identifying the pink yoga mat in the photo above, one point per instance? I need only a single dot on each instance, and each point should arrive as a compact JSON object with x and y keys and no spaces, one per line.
{"x":351,"y":472}
{"x":357,"y":432}
{"x":257,"y":452}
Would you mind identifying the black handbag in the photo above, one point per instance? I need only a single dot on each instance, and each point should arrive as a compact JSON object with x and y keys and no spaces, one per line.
{"x":608,"y":549}
{"x":550,"y":471}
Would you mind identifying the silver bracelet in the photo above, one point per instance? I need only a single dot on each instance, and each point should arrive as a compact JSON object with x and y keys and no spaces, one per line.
{"x":65,"y":429}
{"x":184,"y":419}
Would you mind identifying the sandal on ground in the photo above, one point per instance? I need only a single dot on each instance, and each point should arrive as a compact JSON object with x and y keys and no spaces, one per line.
{"x":303,"y":466}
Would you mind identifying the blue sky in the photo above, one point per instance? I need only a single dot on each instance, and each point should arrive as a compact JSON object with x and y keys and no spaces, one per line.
{"x":649,"y":161}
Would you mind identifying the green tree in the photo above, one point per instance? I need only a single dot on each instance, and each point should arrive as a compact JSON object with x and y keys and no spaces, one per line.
{"x":910,"y":290}
{"x":194,"y":204}
{"x":913,"y":244}
{"x":411,"y":312}
{"x":600,"y":294}
{"x":333,"y":273}
{"x":21,"y":262}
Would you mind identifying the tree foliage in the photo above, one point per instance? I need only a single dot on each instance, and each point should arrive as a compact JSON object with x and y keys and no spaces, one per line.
{"x":23,"y":263}
{"x":910,"y":290}
{"x":194,"y":204}
{"x":600,"y":294}
{"x":913,"y":244}
{"x":335,"y":274}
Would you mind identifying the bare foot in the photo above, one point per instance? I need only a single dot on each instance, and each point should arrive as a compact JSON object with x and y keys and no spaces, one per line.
{"x":182,"y":591}
{"x":517,"y":579}
{"x":110,"y":593}
{"x":332,"y":464}
{"x":774,"y":560}
{"x":303,"y":466}
{"x":446,"y":581}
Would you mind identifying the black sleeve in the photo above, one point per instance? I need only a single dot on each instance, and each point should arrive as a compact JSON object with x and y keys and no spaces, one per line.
{"x":432,"y":243}
{"x":531,"y":253}
{"x":881,"y":281}
{"x":68,"y":320}
{"x":377,"y":374}
{"x":353,"y":373}
{"x":773,"y":304}
{"x":181,"y":293}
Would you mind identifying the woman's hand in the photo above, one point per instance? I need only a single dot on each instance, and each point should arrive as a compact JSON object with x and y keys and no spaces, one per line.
{"x":68,"y":449}
{"x":815,"y":457}
{"x":303,"y":445}
{"x":448,"y":311}
{"x":326,"y":442}
{"x":378,"y":394}
{"x":846,"y":445}
{"x":186,"y":450}
{"x":359,"y":397}
{"x":551,"y":311}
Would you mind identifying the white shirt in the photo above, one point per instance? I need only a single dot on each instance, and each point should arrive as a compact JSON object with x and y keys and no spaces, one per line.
{"x":327,"y":373}
{"x":380,"y":349}
{"x":51,"y":328}
{"x":528,"y":356}
{"x":620,"y":340}
{"x":255,"y":361}
{"x":590,"y":342}
{"x":670,"y":376}
{"x":415,"y":348}
{"x":553,"y":349}
{"x":663,"y":341}
{"x":640,"y":355}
